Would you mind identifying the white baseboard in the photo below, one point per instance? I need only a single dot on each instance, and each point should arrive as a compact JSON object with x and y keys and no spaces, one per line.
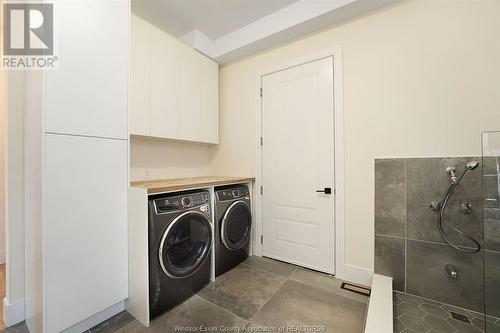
{"x":98,"y":318}
{"x":355,"y":274}
{"x":13,"y":313}
{"x":2,"y":257}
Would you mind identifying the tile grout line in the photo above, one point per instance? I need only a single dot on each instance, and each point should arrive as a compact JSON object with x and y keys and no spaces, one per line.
{"x":390,"y":236}
{"x":443,"y":304}
{"x":263,"y":270}
{"x":261,"y":307}
{"x":220,"y":307}
{"x":124,"y":326}
{"x":427,"y":241}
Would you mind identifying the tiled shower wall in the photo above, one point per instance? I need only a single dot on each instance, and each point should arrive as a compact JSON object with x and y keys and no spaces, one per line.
{"x":408,"y":246}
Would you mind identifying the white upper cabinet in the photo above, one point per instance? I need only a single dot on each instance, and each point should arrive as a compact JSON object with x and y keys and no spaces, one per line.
{"x":164,"y":85}
{"x":198,"y":93}
{"x":91,"y":85}
{"x":173,"y":88}
{"x":140,"y":101}
{"x":189,"y":94}
{"x":210,"y":100}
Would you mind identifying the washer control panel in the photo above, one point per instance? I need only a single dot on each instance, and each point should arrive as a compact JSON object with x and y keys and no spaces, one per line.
{"x":233,"y":193}
{"x":183,"y":202}
{"x":205,"y":209}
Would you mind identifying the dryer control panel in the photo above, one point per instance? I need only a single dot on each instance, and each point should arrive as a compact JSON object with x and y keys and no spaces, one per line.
{"x":233,"y":193}
{"x":182,"y":202}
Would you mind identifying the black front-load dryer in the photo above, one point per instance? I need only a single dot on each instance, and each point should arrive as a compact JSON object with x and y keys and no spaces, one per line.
{"x":233,"y":223}
{"x":180,"y":239}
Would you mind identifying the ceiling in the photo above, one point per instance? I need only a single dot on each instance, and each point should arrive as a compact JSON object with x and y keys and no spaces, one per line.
{"x":227,"y":30}
{"x":214,"y":18}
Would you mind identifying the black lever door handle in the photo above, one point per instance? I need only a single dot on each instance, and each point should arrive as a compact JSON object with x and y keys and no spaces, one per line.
{"x":326,"y":190}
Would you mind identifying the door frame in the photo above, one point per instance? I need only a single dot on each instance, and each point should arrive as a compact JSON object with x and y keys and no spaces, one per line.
{"x":336,"y":53}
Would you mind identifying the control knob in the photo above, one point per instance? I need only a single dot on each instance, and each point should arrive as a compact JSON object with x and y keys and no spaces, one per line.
{"x":186,"y":201}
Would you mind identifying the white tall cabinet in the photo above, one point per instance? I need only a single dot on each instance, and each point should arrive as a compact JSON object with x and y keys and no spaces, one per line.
{"x":76,"y":171}
{"x":173,"y":88}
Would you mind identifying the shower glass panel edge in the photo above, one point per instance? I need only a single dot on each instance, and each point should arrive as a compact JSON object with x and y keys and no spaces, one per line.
{"x":491,"y":225}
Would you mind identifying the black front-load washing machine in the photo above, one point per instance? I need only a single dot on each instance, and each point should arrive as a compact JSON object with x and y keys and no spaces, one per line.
{"x":180,"y":240}
{"x":233,"y":223}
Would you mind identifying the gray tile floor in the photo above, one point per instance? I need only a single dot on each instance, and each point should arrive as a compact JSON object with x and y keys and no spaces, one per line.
{"x":260,"y":295}
{"x":415,"y":314}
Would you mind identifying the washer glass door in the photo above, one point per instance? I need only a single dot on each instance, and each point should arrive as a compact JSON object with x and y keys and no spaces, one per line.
{"x":236,"y":225}
{"x":185,"y":245}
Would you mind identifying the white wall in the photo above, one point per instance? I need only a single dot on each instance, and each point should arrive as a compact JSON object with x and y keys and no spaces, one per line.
{"x":14,"y":180}
{"x":421,"y":78}
{"x":3,"y":110}
{"x":12,"y":188}
{"x":154,"y":159}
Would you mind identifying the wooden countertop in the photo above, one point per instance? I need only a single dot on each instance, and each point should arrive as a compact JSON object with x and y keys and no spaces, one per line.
{"x":169,"y":185}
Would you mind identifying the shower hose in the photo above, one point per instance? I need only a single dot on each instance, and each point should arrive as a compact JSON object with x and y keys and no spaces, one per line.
{"x":442,"y":221}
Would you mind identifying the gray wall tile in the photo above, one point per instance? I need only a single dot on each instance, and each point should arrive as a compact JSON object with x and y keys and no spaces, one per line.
{"x":390,"y":259}
{"x":492,"y":283}
{"x":427,"y":276}
{"x":491,"y":164}
{"x":492,"y":234}
{"x":427,"y":181}
{"x":491,"y":200}
{"x":390,"y":206}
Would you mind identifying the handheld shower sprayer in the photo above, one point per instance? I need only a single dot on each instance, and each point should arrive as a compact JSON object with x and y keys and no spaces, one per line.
{"x":452,"y":171}
{"x":472,"y":165}
{"x":441,"y":207}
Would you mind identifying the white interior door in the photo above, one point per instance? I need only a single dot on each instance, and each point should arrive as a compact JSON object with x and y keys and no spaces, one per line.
{"x":298,"y":160}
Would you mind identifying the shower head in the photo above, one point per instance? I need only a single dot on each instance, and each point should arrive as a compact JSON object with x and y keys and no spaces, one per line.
{"x":456,"y":179}
{"x":472,"y":165}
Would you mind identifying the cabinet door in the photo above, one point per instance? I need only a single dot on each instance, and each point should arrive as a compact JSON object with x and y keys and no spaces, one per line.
{"x":189,"y":94}
{"x":87,"y":94}
{"x":209,"y":100}
{"x":85,"y":228}
{"x":139,"y":76}
{"x":164,"y":85}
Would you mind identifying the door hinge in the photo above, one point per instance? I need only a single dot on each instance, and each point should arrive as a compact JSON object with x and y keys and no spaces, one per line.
{"x":262,"y":239}
{"x":262,"y":190}
{"x":261,"y":94}
{"x":261,"y":141}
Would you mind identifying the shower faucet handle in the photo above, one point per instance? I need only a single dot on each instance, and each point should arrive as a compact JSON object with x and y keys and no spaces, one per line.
{"x":452,"y":171}
{"x":435,"y":205}
{"x":466,"y":207}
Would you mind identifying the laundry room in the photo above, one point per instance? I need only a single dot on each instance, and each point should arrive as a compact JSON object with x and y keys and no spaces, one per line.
{"x":250,"y":166}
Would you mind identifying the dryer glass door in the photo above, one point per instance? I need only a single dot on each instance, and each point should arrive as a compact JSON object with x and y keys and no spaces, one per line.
{"x":185,"y":245}
{"x":236,"y":225}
